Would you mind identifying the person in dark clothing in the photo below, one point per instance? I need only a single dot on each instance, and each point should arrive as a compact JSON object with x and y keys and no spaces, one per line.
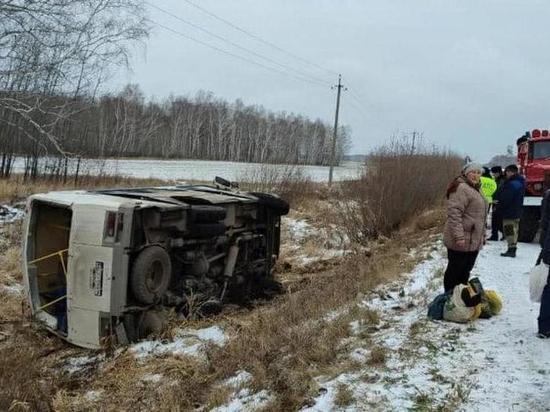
{"x":544,"y":314}
{"x":464,"y":233}
{"x":496,"y":216}
{"x":498,"y":175}
{"x":458,"y":269}
{"x":509,"y":199}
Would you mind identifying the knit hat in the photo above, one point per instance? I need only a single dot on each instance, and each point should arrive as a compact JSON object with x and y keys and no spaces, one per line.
{"x":496,"y":169}
{"x":471,"y":167}
{"x":511,"y":168}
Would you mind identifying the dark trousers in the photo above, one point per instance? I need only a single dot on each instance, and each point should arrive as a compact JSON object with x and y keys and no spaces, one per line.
{"x":496,"y":222}
{"x":458,"y":268}
{"x":544,"y":316}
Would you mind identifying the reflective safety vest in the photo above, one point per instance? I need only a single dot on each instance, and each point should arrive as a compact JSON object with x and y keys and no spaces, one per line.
{"x":488,"y":188}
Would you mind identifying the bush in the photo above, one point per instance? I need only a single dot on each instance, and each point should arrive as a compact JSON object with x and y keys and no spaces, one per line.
{"x":288,"y":181}
{"x":400,"y":180}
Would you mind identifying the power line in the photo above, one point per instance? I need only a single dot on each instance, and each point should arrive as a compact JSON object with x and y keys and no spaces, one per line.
{"x":357,"y":103}
{"x":196,"y":26}
{"x":258,"y":38}
{"x":245,"y":59}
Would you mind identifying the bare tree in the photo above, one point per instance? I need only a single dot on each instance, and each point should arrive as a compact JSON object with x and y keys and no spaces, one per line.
{"x":52,"y":52}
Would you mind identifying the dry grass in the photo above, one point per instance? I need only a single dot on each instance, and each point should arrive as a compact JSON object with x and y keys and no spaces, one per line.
{"x":289,"y":182}
{"x":10,"y":274}
{"x":344,"y":396}
{"x":218,"y":396}
{"x":378,"y":356}
{"x":430,"y":219}
{"x":24,"y":382}
{"x":369,"y":316}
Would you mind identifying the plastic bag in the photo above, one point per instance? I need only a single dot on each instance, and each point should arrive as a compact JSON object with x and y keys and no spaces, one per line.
{"x":537,"y":281}
{"x":435,"y":309}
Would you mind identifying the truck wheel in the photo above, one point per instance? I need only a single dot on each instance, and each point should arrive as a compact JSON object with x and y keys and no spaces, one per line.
{"x":151,"y":273}
{"x":151,"y":322}
{"x":529,"y":224}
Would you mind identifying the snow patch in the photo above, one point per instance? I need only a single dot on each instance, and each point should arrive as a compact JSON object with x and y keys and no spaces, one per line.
{"x":81,"y":363}
{"x":189,"y":342}
{"x":326,"y":243}
{"x":93,"y":396}
{"x":299,"y":229}
{"x":240,"y":379}
{"x":10,"y":214}
{"x":212,"y":334}
{"x":16,"y":289}
{"x":245,"y":400}
{"x":152,"y":377}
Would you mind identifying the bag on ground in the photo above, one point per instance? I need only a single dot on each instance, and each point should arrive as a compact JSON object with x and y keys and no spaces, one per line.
{"x":491,"y":304}
{"x":537,"y":281}
{"x":435,"y":308}
{"x":463,"y":305}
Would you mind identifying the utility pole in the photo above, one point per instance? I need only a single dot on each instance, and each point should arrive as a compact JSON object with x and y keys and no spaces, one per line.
{"x":339,"y":86}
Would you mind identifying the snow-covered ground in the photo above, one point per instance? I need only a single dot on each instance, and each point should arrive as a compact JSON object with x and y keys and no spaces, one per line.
{"x":403,"y":361}
{"x":304,"y":244}
{"x":9,"y":214}
{"x":514,"y":365}
{"x":186,"y":342}
{"x":488,"y":365}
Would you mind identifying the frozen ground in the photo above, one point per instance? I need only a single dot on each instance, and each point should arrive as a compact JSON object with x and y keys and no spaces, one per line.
{"x":9,"y":214}
{"x":304,"y":244}
{"x":205,"y":170}
{"x":489,"y":365}
{"x":186,"y":342}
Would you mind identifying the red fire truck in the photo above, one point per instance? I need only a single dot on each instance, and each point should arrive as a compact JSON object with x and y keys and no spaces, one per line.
{"x":534,"y":164}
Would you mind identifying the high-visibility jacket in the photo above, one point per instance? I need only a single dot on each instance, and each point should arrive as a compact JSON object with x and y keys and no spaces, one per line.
{"x":488,"y":188}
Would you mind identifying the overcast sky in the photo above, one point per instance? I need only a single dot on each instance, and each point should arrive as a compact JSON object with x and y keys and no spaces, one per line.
{"x":472,"y":75}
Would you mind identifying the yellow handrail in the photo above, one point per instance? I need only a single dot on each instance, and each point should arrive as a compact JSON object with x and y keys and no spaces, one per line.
{"x":59,"y":252}
{"x":63,"y":263}
{"x":52,"y":302}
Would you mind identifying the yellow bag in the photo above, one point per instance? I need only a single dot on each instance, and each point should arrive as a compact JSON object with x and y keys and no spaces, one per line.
{"x":494,"y":301}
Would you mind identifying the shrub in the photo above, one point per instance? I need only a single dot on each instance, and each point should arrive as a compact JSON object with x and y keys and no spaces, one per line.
{"x":288,"y":181}
{"x":400,"y":181}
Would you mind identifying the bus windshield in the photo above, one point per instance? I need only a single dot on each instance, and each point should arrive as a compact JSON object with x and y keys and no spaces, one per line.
{"x":541,"y":150}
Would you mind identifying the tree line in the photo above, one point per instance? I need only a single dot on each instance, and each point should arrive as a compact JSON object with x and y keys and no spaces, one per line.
{"x":201,"y":127}
{"x":55,"y":54}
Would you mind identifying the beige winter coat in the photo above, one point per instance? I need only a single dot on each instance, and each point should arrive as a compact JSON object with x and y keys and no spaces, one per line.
{"x":466,"y":216}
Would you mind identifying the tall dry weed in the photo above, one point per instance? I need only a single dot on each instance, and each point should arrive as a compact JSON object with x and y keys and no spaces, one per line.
{"x":290,"y":182}
{"x":401,"y":180}
{"x":24,"y":382}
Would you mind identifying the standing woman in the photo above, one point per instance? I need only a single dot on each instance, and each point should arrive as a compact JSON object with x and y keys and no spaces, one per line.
{"x":464,"y":234}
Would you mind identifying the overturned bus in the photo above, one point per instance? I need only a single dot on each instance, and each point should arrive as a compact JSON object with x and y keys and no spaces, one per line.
{"x":103,"y":266}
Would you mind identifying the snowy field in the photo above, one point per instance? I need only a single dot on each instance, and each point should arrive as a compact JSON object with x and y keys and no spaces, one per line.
{"x":199,"y":169}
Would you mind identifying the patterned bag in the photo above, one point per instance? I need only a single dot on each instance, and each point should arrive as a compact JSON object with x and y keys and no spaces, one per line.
{"x":455,"y":309}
